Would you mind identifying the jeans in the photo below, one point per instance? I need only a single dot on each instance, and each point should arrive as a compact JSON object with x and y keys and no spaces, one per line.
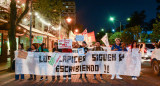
{"x":134,"y":76}
{"x":17,"y":76}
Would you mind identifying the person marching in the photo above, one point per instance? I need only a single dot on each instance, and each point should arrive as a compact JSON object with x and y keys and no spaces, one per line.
{"x":136,"y":58}
{"x":33,"y":49}
{"x":19,"y":62}
{"x":116,"y":47}
{"x":98,"y":48}
{"x":56,"y":50}
{"x":84,"y":45}
{"x":44,"y":49}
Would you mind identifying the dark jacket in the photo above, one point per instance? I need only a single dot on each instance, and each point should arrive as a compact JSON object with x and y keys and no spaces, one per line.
{"x":56,"y":49}
{"x":97,"y":49}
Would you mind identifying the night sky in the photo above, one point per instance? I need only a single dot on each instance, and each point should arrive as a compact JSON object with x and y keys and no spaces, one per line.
{"x":94,"y":14}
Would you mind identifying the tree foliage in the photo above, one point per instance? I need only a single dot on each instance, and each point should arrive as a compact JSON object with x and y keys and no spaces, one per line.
{"x":51,"y":10}
{"x":131,"y":34}
{"x":137,"y":18}
{"x":113,"y":37}
{"x":155,"y":36}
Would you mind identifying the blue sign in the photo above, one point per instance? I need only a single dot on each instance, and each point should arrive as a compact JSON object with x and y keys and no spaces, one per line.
{"x":79,"y":38}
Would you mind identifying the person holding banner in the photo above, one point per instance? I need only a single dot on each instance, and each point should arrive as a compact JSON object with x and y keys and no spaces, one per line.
{"x":116,"y":47}
{"x":65,"y":50}
{"x":84,"y":45}
{"x":19,"y":64}
{"x":98,"y":48}
{"x":32,"y":49}
{"x":43,"y":67}
{"x":136,"y":58}
{"x":56,"y":50}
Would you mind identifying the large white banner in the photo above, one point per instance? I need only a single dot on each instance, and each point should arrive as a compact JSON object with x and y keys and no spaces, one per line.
{"x":94,"y":62}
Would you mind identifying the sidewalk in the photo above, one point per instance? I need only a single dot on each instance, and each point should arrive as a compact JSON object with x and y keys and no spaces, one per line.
{"x":5,"y":66}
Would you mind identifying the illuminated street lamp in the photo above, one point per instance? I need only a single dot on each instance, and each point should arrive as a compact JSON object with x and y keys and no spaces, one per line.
{"x":98,"y":33}
{"x":111,"y":19}
{"x":76,"y":30}
{"x":69,"y":20}
{"x":102,"y":30}
{"x":113,"y":30}
{"x":128,"y":19}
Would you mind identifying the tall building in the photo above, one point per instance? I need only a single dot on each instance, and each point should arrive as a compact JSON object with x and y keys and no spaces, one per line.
{"x":70,"y":10}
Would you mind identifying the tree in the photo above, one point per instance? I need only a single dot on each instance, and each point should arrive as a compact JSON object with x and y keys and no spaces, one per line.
{"x":50,"y":9}
{"x":14,"y":21}
{"x":155,"y":36}
{"x":137,"y":18}
{"x":113,"y":37}
{"x":131,"y":34}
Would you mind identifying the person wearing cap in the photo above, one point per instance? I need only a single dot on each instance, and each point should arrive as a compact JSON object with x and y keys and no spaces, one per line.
{"x":116,"y":47}
{"x":98,"y":48}
{"x":84,"y":45}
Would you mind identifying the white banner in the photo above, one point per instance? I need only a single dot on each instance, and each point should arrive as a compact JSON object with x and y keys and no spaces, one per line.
{"x":94,"y":62}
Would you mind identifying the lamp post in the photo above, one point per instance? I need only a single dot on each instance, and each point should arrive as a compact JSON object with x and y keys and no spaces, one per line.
{"x":113,"y":19}
{"x":30,"y":25}
{"x":69,"y":20}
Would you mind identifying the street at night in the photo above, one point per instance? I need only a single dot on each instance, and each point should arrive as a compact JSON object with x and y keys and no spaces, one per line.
{"x":79,"y":42}
{"x":147,"y":78}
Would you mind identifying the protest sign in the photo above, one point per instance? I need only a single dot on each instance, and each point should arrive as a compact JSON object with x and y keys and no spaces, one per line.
{"x":22,"y":54}
{"x":81,"y":51}
{"x":79,"y":38}
{"x":65,"y":43}
{"x":38,"y":39}
{"x":94,"y":62}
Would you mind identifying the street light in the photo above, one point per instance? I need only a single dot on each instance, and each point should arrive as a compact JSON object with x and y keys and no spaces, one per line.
{"x":76,"y":30}
{"x":111,"y":19}
{"x":128,"y":19}
{"x":102,"y":30}
{"x":98,"y":33}
{"x":113,"y":30}
{"x":69,"y":20}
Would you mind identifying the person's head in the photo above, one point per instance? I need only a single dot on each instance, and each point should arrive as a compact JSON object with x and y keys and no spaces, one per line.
{"x":134,"y":44}
{"x":118,"y":41}
{"x":55,"y":45}
{"x":84,"y":44}
{"x":33,"y":47}
{"x":20,"y":46}
{"x":43,"y":46}
{"x":98,"y":44}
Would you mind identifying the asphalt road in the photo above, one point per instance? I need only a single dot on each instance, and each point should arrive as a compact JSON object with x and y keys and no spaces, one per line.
{"x":147,"y":78}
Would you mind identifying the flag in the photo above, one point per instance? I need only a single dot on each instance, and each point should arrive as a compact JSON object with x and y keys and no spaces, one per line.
{"x":105,"y":40}
{"x":92,"y":35}
{"x":72,"y":36}
{"x":84,"y":32}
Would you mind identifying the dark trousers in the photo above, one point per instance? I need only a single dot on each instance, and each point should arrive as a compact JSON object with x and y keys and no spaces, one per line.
{"x":95,"y":75}
{"x":81,"y":75}
{"x":17,"y":76}
{"x":53,"y":77}
{"x":66,"y":75}
{"x":31,"y":76}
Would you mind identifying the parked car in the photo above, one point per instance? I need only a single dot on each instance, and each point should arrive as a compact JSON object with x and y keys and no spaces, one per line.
{"x":155,"y":61}
{"x":149,"y":47}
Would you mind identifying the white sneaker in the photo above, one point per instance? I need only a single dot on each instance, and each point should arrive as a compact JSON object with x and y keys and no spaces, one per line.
{"x":41,"y":79}
{"x":135,"y":78}
{"x":101,"y":78}
{"x":46,"y":79}
{"x":64,"y":78}
{"x":112,"y":77}
{"x":69,"y":78}
{"x":118,"y":77}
